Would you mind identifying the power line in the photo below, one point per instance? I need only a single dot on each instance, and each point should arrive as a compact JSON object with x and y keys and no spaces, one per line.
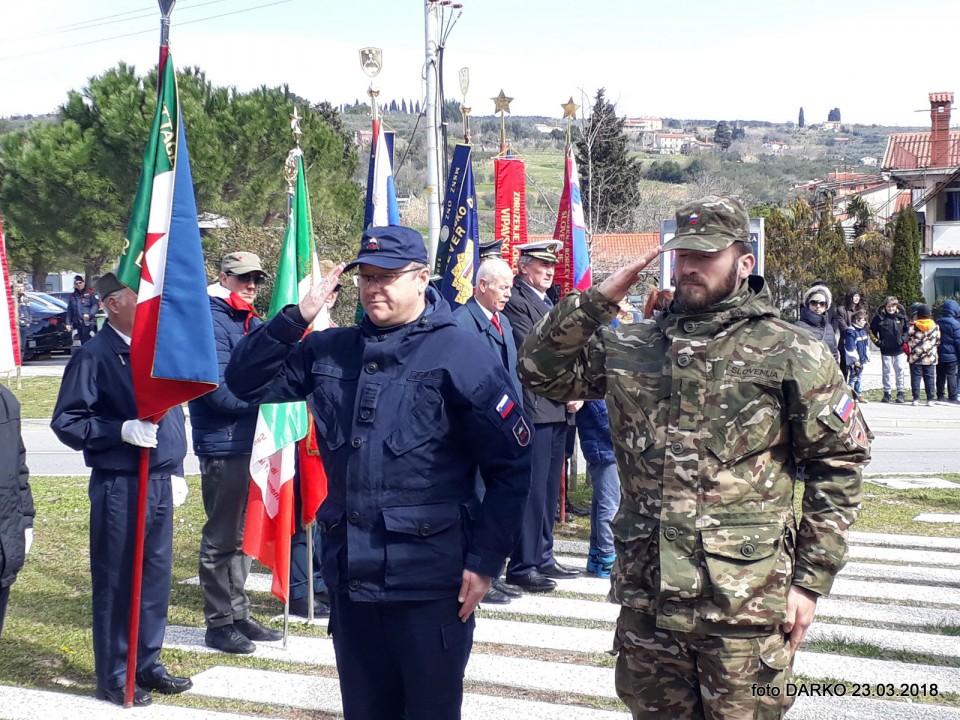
{"x":107,"y":20}
{"x":139,"y":32}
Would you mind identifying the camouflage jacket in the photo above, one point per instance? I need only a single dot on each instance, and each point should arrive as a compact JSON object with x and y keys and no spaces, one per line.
{"x":711,"y":417}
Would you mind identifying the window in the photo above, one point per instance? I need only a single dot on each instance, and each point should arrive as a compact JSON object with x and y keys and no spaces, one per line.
{"x":946,"y":282}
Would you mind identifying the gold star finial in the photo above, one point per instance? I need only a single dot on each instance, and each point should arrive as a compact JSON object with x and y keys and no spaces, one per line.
{"x":501,"y":103}
{"x":570,"y":109}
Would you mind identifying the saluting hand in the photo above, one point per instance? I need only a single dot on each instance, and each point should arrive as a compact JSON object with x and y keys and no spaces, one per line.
{"x":314,"y":300}
{"x":615,"y":287}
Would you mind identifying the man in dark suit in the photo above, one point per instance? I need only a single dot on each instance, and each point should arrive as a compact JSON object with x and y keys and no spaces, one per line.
{"x":483,"y":316}
{"x":532,"y":564}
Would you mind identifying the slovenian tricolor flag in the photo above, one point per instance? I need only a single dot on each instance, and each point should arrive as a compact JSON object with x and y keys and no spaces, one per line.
{"x":504,"y":406}
{"x":172,"y":353}
{"x":573,"y":259}
{"x":844,"y":408}
{"x":381,"y":208}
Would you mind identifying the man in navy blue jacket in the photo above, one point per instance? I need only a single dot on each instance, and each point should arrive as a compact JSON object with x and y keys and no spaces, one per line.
{"x":407,"y":407}
{"x":82,"y":308}
{"x":96,"y":412}
{"x":223,"y":427}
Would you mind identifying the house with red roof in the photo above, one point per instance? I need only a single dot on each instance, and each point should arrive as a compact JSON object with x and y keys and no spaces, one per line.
{"x":928,"y":165}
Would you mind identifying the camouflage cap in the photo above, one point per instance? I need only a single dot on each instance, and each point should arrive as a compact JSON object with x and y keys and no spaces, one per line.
{"x":710,"y":224}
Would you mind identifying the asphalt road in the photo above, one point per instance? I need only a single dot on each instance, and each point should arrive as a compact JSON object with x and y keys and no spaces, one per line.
{"x":909,"y":440}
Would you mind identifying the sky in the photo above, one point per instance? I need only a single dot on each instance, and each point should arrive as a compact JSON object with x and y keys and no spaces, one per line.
{"x":741,"y":59}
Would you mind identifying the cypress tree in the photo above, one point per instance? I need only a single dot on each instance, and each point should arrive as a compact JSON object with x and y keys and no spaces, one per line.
{"x":903,"y":280}
{"x":800,"y":122}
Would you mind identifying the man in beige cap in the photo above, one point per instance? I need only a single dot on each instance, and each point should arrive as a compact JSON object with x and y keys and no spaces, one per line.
{"x":223,"y":429}
{"x":714,"y":407}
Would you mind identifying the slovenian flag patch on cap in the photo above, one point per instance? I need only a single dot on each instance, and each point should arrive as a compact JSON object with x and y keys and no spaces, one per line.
{"x":504,"y":406}
{"x":844,"y":407}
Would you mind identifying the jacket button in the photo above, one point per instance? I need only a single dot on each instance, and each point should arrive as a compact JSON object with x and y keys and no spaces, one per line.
{"x":354,"y":585}
{"x":747,"y":550}
{"x":365,"y":414}
{"x":670,"y":533}
{"x":683,"y":360}
{"x":354,"y":517}
{"x":676,"y":448}
{"x":425,"y":529}
{"x":669,"y":609}
{"x":371,"y":367}
{"x":357,"y":442}
{"x":689,"y":326}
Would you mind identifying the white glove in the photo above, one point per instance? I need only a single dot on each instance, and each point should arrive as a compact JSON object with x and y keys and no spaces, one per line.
{"x":179,"y":489}
{"x":140,"y":433}
{"x":27,"y":539}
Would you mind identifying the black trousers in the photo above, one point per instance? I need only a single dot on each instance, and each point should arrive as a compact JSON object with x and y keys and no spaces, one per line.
{"x":113,"y":516}
{"x":224,"y":482}
{"x":534,"y":548}
{"x":400,"y":660}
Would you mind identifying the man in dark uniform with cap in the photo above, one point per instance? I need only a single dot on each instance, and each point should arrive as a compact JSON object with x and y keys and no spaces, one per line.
{"x":407,"y":407}
{"x":82,"y":307}
{"x":96,"y":412}
{"x":532,"y":564}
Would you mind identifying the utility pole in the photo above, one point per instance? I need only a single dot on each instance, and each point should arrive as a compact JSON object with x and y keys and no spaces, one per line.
{"x":432,"y":73}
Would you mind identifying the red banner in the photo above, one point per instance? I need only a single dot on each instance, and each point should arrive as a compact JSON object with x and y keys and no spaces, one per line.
{"x":510,"y":212}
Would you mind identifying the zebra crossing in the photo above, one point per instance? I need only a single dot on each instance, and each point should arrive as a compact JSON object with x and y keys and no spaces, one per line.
{"x":545,"y":656}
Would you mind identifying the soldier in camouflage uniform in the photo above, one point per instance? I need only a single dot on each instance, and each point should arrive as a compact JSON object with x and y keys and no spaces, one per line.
{"x":714,"y":406}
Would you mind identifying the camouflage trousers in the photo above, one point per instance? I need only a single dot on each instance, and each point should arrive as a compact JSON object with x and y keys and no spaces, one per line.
{"x":686,"y":676}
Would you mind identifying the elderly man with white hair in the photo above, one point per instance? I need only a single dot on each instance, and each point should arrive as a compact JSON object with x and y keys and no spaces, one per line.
{"x":482,"y":315}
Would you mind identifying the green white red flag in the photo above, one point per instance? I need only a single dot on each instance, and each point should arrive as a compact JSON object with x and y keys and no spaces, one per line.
{"x":270,"y":503}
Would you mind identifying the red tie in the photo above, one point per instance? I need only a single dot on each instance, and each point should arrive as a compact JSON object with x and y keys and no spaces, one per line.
{"x":496,"y":323}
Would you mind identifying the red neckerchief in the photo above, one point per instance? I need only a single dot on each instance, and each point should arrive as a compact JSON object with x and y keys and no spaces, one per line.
{"x":238,"y":303}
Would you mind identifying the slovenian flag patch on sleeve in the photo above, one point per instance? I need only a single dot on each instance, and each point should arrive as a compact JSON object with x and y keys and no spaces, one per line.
{"x":844,"y":407}
{"x":504,"y":406}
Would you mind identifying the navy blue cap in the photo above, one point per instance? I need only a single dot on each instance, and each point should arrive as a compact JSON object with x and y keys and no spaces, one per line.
{"x":390,"y":247}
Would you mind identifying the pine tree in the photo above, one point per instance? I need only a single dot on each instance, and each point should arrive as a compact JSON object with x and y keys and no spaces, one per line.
{"x":903,"y":280}
{"x":800,"y":121}
{"x":609,"y":177}
{"x":834,"y":115}
{"x":722,"y":135}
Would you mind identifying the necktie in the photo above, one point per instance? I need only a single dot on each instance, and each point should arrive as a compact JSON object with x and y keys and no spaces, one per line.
{"x":547,"y":301}
{"x":496,"y":323}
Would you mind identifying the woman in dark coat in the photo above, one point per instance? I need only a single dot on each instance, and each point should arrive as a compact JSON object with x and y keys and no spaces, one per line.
{"x":813,"y":317}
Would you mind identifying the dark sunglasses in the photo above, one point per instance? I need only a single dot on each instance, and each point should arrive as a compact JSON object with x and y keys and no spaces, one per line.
{"x":819,"y":303}
{"x":257,"y":278}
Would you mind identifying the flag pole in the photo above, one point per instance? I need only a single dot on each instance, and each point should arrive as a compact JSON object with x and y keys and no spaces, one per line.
{"x":136,"y":582}
{"x":432,"y":72}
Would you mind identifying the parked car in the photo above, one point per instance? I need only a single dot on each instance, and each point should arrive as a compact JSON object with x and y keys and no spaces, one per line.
{"x":43,"y":326}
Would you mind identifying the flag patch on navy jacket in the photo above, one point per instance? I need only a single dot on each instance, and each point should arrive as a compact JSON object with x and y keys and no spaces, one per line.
{"x":504,"y":406}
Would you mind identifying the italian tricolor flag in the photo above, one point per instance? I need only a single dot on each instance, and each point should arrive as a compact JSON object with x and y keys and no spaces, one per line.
{"x":270,"y":515}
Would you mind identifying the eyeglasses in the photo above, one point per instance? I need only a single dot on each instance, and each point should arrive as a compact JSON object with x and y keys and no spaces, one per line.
{"x":381,"y":281}
{"x":818,"y":303}
{"x":245,"y":278}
